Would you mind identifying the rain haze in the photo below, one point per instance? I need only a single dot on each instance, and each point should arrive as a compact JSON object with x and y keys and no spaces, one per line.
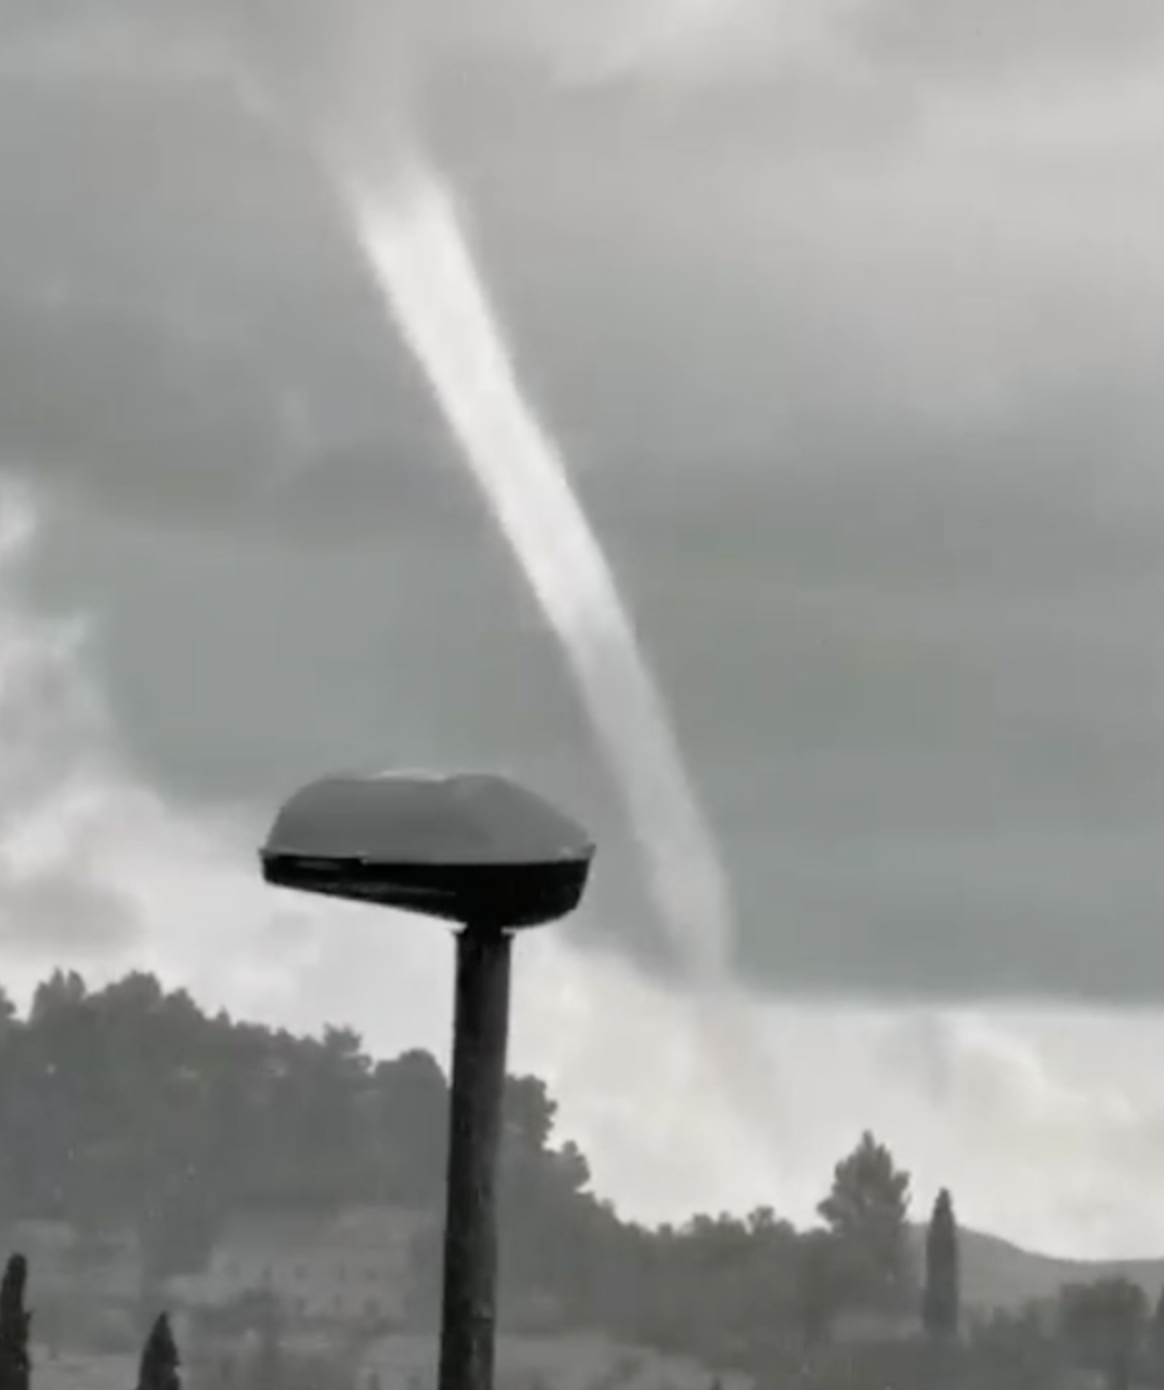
{"x":848,"y":320}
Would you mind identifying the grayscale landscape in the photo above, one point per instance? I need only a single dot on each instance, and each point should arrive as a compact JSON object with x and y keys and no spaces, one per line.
{"x":735,"y":423}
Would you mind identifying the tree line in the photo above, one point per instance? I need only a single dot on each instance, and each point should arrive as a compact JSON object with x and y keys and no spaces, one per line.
{"x":129,"y":1106}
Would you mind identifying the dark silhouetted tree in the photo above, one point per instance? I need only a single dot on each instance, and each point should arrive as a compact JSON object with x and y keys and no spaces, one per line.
{"x":159,"y":1359}
{"x":1103,"y":1324}
{"x":867,"y":1210}
{"x":15,"y":1320}
{"x":940,"y":1301}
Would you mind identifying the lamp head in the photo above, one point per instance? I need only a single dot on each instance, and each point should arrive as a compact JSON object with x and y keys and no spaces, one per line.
{"x":470,"y":847}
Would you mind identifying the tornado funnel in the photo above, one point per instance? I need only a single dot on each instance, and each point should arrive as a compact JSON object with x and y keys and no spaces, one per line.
{"x":472,"y":848}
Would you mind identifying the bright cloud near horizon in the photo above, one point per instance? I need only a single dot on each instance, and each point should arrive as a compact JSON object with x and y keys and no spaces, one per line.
{"x":849,"y":319}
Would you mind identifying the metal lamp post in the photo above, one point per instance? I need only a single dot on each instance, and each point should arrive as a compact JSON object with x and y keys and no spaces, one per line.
{"x":483,"y":852}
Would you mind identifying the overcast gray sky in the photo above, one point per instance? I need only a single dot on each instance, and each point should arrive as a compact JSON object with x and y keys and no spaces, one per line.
{"x":848,"y":318}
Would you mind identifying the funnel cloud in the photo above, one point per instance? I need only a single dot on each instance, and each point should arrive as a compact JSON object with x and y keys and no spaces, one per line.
{"x":851,"y":325}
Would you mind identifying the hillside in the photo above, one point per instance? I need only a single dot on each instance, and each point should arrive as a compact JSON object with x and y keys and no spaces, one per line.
{"x":998,"y":1274}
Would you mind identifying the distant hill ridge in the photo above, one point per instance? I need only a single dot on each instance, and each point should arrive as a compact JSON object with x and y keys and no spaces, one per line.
{"x":997,"y":1274}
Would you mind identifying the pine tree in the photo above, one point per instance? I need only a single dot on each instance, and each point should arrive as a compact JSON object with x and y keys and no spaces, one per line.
{"x":867,"y":1210}
{"x":15,"y":1320}
{"x":159,"y":1359}
{"x":940,"y":1303}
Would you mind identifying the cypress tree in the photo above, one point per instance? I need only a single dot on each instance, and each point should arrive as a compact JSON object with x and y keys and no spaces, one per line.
{"x":159,"y":1359}
{"x":15,"y":1321}
{"x":940,"y":1303}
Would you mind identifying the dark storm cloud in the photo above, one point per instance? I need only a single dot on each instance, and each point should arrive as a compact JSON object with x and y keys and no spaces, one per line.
{"x":859,"y":381}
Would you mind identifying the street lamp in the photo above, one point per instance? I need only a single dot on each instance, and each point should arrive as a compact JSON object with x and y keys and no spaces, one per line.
{"x":483,"y":852}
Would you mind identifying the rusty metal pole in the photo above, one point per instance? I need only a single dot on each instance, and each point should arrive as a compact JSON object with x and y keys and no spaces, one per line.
{"x":480,"y":1039}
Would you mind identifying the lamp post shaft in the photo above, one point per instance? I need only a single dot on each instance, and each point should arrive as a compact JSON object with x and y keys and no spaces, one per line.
{"x":480,"y":1038}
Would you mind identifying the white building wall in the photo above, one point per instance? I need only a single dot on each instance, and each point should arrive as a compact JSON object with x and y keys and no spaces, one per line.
{"x":354,"y":1269}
